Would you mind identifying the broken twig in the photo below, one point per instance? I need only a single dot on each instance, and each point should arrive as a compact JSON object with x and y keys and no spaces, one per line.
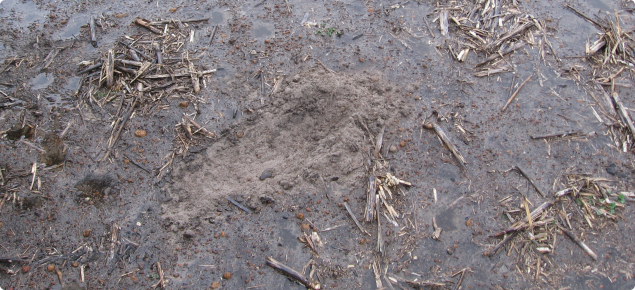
{"x":293,"y":274}
{"x":515,"y":93}
{"x":350,"y":212}
{"x":448,"y":143}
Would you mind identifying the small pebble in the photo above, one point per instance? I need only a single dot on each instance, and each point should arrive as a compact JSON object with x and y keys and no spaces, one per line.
{"x":266,"y":200}
{"x":215,"y":285}
{"x":189,"y":234}
{"x":393,"y":149}
{"x":612,"y":169}
{"x":184,"y":104}
{"x":26,"y":269}
{"x":240,"y":134}
{"x":227,"y":276}
{"x":50,"y":268}
{"x":75,"y":264}
{"x":468,"y":222}
{"x":86,"y":233}
{"x":300,"y":216}
{"x":305,"y":226}
{"x":140,"y":133}
{"x":402,"y":143}
{"x":266,"y":174}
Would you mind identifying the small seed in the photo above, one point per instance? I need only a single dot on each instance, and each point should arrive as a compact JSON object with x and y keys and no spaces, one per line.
{"x":140,"y":133}
{"x":86,"y":233}
{"x":50,"y":268}
{"x":227,"y":276}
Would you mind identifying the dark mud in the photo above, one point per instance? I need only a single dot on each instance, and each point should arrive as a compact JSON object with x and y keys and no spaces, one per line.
{"x":304,"y":149}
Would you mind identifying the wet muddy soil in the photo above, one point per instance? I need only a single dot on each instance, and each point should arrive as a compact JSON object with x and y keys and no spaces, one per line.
{"x":115,"y":188}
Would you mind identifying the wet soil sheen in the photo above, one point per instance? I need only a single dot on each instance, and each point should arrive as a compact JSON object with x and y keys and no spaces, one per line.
{"x":301,"y":103}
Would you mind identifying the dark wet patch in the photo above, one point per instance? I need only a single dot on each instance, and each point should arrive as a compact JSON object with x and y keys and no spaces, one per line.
{"x":31,"y":202}
{"x":447,"y":220}
{"x":95,"y":186}
{"x":55,"y":150}
{"x":18,"y":132}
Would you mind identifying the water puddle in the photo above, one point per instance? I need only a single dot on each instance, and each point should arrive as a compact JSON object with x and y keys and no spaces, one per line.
{"x":25,"y":13}
{"x":603,"y":5}
{"x":56,"y":101}
{"x":216,"y":17}
{"x":41,"y":81}
{"x":72,"y":84}
{"x":263,"y":31}
{"x":73,"y":27}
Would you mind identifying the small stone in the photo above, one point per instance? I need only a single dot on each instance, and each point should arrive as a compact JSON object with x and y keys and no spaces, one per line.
{"x":50,"y":268}
{"x":450,"y":252}
{"x":402,"y":143}
{"x":305,"y":226}
{"x":468,"y":222}
{"x":240,"y":134}
{"x":286,"y":185}
{"x":612,"y":169}
{"x":75,"y":264}
{"x":300,"y":216}
{"x":266,"y":174}
{"x":26,"y":269}
{"x":227,"y":276}
{"x":215,"y":285}
{"x":140,"y":133}
{"x":86,"y":233}
{"x":393,"y":149}
{"x":184,"y":104}
{"x":188,"y":234}
{"x":267,"y":200}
